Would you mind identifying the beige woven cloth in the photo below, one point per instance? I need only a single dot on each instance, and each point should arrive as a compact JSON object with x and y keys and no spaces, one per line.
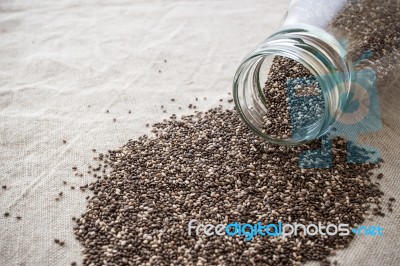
{"x":64,"y":63}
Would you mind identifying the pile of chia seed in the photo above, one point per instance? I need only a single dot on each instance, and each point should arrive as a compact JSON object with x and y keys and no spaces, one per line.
{"x":210,"y":167}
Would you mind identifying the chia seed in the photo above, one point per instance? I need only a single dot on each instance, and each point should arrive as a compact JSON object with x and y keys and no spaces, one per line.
{"x":371,"y":31}
{"x":212,"y":168}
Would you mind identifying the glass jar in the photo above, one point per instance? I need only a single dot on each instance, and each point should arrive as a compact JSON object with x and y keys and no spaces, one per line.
{"x":337,"y":42}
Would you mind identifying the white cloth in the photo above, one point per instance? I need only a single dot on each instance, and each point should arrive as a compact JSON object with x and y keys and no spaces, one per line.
{"x":59,"y":57}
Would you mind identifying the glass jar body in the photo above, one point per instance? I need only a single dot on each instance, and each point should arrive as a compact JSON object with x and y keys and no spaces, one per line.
{"x":335,"y":41}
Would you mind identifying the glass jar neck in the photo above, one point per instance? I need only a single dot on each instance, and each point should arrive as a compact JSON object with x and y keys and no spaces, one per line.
{"x":317,"y":51}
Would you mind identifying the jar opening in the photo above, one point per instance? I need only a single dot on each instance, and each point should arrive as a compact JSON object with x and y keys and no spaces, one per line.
{"x":288,"y":91}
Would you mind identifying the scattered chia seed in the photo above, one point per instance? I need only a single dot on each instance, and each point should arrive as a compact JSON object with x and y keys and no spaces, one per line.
{"x":6,"y":214}
{"x":64,"y":141}
{"x":4,"y":187}
{"x":212,"y":168}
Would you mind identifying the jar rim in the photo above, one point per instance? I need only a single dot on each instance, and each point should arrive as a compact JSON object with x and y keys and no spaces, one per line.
{"x":320,"y":57}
